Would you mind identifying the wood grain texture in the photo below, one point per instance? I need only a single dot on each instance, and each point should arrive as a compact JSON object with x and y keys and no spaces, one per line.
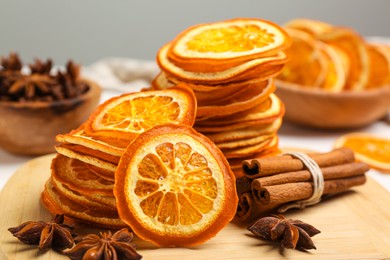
{"x":354,"y":225}
{"x":325,"y":110}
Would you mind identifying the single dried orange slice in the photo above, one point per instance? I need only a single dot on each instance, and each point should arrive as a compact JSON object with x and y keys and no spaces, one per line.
{"x":174,"y":187}
{"x":379,"y":65}
{"x":310,"y":26}
{"x":337,"y":67}
{"x":218,"y":46}
{"x":128,"y":115}
{"x":305,"y":66}
{"x":354,"y":46}
{"x":368,"y":148}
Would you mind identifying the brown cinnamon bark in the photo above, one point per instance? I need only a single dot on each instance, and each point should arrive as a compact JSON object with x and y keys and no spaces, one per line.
{"x":243,"y":185}
{"x":248,"y":209}
{"x":331,"y":172}
{"x":267,"y":166}
{"x":283,"y":193}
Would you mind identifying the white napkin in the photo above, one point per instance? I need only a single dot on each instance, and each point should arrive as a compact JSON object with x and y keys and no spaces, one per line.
{"x":121,"y":74}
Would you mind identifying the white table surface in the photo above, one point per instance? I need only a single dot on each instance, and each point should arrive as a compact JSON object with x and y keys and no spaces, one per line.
{"x":290,"y":136}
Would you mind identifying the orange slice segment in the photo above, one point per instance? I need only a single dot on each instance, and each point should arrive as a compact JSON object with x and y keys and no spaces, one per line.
{"x":368,"y":148}
{"x":128,"y":115}
{"x":174,"y":187}
{"x":213,"y":47}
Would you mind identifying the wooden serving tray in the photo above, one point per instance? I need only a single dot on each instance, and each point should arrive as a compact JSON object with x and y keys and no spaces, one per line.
{"x":354,"y":225}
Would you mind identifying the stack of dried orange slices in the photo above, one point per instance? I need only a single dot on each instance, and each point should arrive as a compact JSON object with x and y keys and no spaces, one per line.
{"x":334,"y":58}
{"x":137,"y":161}
{"x":230,"y":66}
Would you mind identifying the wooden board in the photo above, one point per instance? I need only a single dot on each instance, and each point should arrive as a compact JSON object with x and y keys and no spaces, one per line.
{"x":354,"y":225}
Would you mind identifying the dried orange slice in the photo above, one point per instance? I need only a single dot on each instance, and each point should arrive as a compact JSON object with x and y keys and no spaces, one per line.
{"x":270,"y":141}
{"x":379,"y":65}
{"x":247,"y":132}
{"x":354,"y":46}
{"x":267,"y":110}
{"x":91,"y":152}
{"x":218,"y":46}
{"x":128,"y":115}
{"x":305,"y":66}
{"x":57,"y":204}
{"x":78,"y":177}
{"x":81,"y":138}
{"x":86,"y":158}
{"x":85,"y":199}
{"x":250,"y":98}
{"x":312,"y":27}
{"x":337,"y":67}
{"x":174,"y":187}
{"x":261,"y":68}
{"x":207,"y":94}
{"x":368,"y":148}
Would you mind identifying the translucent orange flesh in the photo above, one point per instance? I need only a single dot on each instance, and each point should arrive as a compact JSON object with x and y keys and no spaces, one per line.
{"x":231,"y":39}
{"x":141,"y":113}
{"x":176,"y":185}
{"x":303,"y":66}
{"x":377,"y":149}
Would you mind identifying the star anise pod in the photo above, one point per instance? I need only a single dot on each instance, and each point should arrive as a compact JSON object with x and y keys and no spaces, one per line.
{"x":29,"y":86}
{"x":106,"y":246}
{"x":53,"y":234}
{"x":9,"y":73}
{"x":70,"y":81}
{"x":13,"y":62}
{"x":39,"y":67}
{"x":293,"y":234}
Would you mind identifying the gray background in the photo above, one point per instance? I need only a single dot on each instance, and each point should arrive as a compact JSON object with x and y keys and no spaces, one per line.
{"x":89,"y":30}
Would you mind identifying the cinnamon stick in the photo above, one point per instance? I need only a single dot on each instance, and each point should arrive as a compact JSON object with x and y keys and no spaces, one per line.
{"x":267,"y":166}
{"x":248,"y":209}
{"x":243,"y":185}
{"x":283,"y":193}
{"x":331,"y":172}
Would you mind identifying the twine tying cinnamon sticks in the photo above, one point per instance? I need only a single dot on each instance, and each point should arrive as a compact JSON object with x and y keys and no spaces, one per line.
{"x":283,"y":182}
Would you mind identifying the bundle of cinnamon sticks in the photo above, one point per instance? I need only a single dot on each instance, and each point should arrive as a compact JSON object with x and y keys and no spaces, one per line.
{"x":271,"y":182}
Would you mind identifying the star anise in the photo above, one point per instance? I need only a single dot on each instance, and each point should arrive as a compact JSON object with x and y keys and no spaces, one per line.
{"x":29,"y":86}
{"x":39,"y":67}
{"x":53,"y":234}
{"x":40,"y":84}
{"x":10,"y":71}
{"x":105,"y":246}
{"x":13,"y":62}
{"x":70,"y":80}
{"x":293,"y":234}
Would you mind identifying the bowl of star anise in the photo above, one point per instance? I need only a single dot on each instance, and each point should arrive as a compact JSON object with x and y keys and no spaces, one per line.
{"x":37,"y":102}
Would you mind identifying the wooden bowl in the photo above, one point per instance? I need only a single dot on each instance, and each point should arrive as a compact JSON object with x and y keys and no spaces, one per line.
{"x":322,"y":109}
{"x":30,"y":128}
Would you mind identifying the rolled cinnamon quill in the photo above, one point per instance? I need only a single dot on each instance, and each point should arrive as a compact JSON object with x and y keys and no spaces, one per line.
{"x":248,"y":209}
{"x":331,"y":172}
{"x":283,"y":182}
{"x":259,"y":167}
{"x":283,"y":193}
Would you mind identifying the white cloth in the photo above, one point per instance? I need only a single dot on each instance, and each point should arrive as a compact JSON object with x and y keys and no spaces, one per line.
{"x":121,"y":74}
